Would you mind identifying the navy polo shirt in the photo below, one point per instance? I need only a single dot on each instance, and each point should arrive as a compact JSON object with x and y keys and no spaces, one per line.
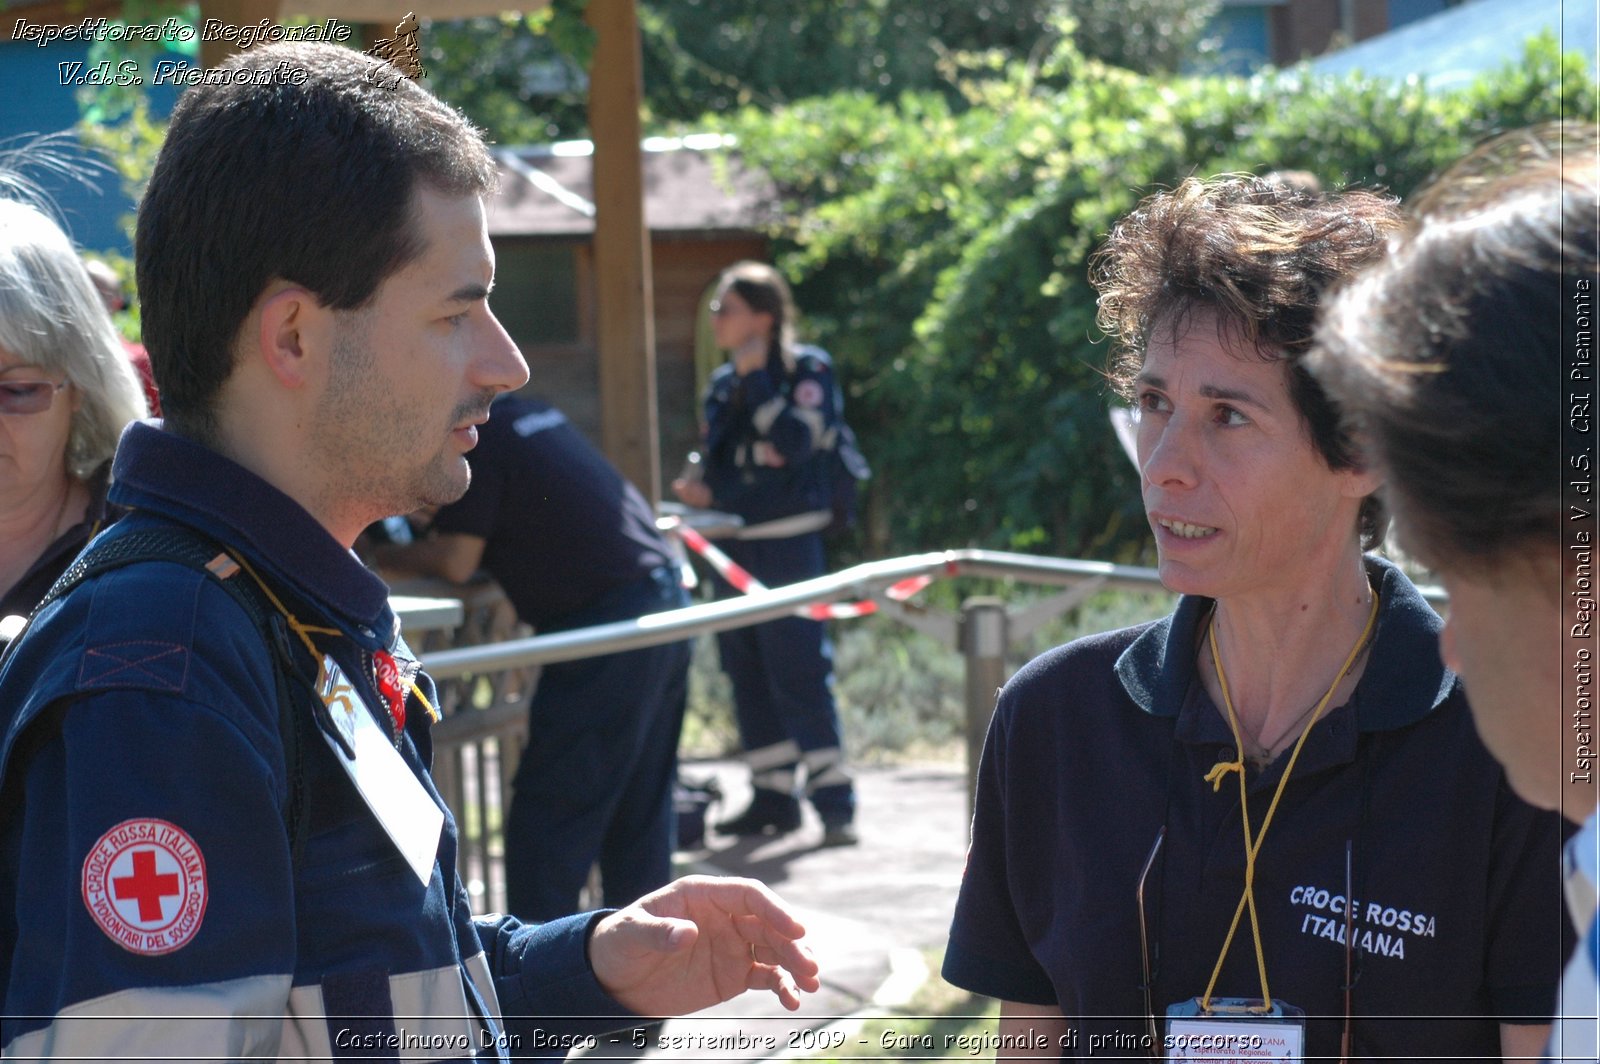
{"x":1097,"y":746}
{"x":561,"y":526}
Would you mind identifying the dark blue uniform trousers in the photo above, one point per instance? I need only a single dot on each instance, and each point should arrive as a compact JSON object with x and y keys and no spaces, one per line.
{"x":782,"y":677}
{"x":595,"y":782}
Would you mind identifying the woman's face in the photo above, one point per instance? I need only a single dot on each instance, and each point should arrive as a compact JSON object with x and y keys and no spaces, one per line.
{"x":1502,"y":636}
{"x":1238,"y":497}
{"x":733,"y":323}
{"x":33,"y":446}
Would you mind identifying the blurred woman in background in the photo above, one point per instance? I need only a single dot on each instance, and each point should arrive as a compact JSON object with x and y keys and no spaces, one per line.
{"x":66,"y":391}
{"x":771,"y":423}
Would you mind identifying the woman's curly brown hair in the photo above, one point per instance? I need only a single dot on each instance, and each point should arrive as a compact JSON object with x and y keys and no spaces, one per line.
{"x":1261,"y":256}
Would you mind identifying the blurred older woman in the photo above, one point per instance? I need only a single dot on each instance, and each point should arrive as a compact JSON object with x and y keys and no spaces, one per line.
{"x":66,"y":391}
{"x":1265,"y":820}
{"x":1459,"y":359}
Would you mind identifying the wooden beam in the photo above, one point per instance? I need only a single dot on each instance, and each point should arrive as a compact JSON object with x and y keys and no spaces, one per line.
{"x":626,"y":325}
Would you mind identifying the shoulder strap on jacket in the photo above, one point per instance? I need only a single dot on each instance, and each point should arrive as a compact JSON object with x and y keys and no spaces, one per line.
{"x":188,"y":547}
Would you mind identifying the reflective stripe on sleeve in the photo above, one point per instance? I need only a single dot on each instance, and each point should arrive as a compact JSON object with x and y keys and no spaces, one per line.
{"x":239,"y":1018}
{"x":767,"y":413}
{"x":813,"y":420}
{"x":483,"y":979}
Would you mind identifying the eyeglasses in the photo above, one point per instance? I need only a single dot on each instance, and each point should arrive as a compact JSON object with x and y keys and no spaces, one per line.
{"x":28,"y":397}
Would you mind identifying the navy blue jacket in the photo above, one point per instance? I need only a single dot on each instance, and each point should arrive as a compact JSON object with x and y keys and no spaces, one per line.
{"x":769,"y":438}
{"x":145,"y":856}
{"x":561,"y":527}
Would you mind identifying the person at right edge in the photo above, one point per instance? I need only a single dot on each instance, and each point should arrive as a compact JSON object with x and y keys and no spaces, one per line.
{"x":1455,"y":358}
{"x":771,"y":421}
{"x":1266,"y":817}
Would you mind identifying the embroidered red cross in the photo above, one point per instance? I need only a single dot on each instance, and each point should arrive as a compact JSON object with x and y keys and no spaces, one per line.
{"x":145,"y":885}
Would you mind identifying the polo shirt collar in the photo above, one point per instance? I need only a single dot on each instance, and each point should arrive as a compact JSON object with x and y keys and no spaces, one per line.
{"x":1403,"y":682}
{"x":166,"y":474}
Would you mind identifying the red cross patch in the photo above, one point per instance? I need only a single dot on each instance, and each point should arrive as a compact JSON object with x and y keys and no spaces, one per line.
{"x":144,"y":883}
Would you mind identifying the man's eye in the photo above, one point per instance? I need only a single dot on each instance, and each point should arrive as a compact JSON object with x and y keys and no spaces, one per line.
{"x":1227,"y":415}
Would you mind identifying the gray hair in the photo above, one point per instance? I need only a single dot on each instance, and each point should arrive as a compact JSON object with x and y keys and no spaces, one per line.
{"x":52,"y":317}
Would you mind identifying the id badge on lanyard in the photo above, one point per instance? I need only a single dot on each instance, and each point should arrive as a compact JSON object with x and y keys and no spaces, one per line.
{"x":1234,"y":1031}
{"x":367,"y":754}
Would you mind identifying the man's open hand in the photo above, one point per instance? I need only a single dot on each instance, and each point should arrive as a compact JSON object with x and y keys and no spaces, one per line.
{"x":699,"y":941}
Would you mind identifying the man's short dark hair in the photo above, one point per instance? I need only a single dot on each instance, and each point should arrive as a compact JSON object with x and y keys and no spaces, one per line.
{"x":302,"y":171}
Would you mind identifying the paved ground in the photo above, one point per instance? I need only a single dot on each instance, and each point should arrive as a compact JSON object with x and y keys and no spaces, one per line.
{"x":870,"y":912}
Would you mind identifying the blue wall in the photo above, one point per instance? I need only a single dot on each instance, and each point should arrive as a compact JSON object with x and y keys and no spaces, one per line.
{"x":33,"y":101}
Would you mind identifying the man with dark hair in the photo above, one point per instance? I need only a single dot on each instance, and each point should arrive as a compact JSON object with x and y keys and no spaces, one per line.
{"x":214,"y":795}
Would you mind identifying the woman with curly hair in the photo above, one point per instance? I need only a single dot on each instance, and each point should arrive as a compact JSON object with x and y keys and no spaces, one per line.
{"x":1263,"y":823}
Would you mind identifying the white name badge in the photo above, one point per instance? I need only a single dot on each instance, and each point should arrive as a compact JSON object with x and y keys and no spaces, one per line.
{"x":387,"y":784}
{"x":1234,"y":1036}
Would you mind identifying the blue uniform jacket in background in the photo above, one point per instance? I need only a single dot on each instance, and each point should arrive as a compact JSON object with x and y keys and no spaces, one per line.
{"x":769,"y":438}
{"x":141,"y":727}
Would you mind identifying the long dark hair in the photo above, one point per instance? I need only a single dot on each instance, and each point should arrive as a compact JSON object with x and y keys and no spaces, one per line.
{"x":766,"y":292}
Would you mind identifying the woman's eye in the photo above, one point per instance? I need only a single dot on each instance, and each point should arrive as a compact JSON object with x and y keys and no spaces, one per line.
{"x":1153,"y":402}
{"x":1227,"y":415}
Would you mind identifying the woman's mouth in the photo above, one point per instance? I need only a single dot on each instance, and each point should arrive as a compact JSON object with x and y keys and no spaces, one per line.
{"x":1184,"y":530}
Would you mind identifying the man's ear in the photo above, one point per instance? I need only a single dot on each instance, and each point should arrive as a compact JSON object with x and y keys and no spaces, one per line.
{"x":293,"y":333}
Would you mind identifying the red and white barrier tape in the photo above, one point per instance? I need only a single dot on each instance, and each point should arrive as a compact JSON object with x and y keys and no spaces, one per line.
{"x":736,"y":575}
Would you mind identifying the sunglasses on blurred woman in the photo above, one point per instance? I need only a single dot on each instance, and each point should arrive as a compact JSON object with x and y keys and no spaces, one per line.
{"x":28,"y":397}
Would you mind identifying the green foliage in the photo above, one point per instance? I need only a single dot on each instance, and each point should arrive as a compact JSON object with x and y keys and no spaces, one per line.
{"x":941,"y":251}
{"x":1149,"y":36}
{"x":519,"y":75}
{"x":131,"y":143}
{"x":714,"y":55}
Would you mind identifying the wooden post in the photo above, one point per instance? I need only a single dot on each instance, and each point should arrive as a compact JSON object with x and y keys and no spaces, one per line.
{"x":625,"y":313}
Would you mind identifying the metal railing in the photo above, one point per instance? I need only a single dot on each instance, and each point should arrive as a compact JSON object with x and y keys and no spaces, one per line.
{"x":479,"y":747}
{"x":864,"y":581}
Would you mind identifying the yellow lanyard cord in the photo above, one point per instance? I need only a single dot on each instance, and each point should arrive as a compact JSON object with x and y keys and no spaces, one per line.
{"x":306,"y":631}
{"x":1252,"y":846}
{"x":433,"y":714}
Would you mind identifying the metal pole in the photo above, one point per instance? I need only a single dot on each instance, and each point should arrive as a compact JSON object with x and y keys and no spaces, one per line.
{"x":983,"y":644}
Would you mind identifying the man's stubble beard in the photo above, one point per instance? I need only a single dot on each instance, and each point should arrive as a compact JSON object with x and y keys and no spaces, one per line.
{"x":365,"y":435}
